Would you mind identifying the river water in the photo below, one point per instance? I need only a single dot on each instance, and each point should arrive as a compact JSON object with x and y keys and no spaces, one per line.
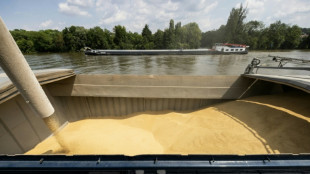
{"x":161,"y":64}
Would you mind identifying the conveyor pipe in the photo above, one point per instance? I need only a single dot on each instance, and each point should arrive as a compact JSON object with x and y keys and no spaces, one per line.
{"x":17,"y":69}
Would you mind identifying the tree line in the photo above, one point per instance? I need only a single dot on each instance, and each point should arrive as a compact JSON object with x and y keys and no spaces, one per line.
{"x":277,"y":35}
{"x":254,"y":33}
{"x":75,"y":38}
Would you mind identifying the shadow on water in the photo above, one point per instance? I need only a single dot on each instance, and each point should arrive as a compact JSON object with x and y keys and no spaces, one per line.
{"x":281,"y":121}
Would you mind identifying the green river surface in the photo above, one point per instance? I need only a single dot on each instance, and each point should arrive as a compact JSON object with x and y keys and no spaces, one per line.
{"x":164,"y":64}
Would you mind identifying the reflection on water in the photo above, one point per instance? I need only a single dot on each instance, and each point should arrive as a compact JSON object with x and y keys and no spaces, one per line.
{"x":159,"y":65}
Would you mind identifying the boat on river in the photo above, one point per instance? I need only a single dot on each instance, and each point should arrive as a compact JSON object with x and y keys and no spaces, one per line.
{"x":217,"y":49}
{"x":227,"y":48}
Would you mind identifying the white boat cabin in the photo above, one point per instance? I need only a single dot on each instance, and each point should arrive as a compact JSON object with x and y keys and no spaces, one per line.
{"x":230,"y":48}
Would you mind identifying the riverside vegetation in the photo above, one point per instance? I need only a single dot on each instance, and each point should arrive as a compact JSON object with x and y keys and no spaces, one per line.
{"x":277,"y":35}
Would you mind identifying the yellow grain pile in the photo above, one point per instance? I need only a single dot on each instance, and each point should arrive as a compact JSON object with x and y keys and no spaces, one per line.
{"x":256,"y":125}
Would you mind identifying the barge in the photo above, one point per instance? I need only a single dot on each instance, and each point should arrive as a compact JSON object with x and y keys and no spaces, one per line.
{"x":217,"y":49}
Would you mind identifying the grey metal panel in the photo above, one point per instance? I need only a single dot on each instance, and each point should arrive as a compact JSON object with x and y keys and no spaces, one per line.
{"x":171,"y":104}
{"x":152,"y":91}
{"x":36,"y":122}
{"x":25,"y":135}
{"x":177,"y":104}
{"x":165,"y":103}
{"x":153,"y":104}
{"x":141,"y":104}
{"x":110,"y":102}
{"x":158,"y":80}
{"x":116,"y":106}
{"x":105,"y":106}
{"x":8,"y":90}
{"x":76,"y":108}
{"x":123,"y":107}
{"x":11,"y":115}
{"x":160,"y":104}
{"x":129,"y":105}
{"x":135,"y":105}
{"x":8,"y":145}
{"x":133,"y":86}
{"x":147,"y":104}
{"x":2,"y":130}
{"x":18,"y":125}
{"x":184,"y":104}
{"x":95,"y":107}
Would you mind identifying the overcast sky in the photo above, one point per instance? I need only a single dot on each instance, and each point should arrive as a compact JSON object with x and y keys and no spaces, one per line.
{"x":134,"y":14}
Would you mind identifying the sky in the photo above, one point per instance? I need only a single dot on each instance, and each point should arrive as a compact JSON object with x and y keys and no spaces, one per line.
{"x":134,"y":14}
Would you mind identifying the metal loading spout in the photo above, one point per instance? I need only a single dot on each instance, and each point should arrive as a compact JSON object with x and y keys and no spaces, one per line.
{"x":17,"y":69}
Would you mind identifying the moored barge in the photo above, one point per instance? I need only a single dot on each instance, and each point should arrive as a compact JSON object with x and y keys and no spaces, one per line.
{"x":217,"y":49}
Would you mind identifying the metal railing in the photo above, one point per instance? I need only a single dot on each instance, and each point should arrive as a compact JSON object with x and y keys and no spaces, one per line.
{"x":255,"y":64}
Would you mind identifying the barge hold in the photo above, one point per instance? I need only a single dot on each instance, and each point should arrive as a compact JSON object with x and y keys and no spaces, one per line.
{"x":217,"y":49}
{"x":151,"y":115}
{"x":233,"y":110}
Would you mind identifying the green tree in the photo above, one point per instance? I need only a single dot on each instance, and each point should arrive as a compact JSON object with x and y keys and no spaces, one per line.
{"x":276,"y":34}
{"x":136,"y":40}
{"x":20,"y":34}
{"x":58,"y":42}
{"x":147,"y":33}
{"x":192,"y":35}
{"x":179,"y":35}
{"x":208,"y":38}
{"x":147,"y":38}
{"x":253,"y":31}
{"x":169,"y":36}
{"x":254,"y":27}
{"x":74,"y":38}
{"x":98,"y":38}
{"x":26,"y":46}
{"x":120,"y":37}
{"x":24,"y":40}
{"x":159,"y":39}
{"x":305,"y":43}
{"x":48,"y":41}
{"x":292,"y":37}
{"x":234,"y":30}
{"x":42,"y":42}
